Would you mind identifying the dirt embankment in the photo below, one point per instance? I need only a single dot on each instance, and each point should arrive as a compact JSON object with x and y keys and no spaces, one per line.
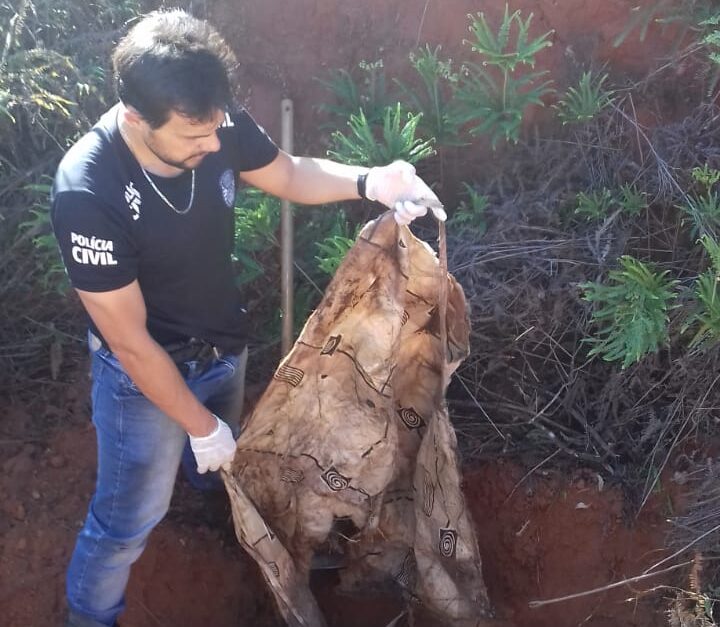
{"x":283,"y":46}
{"x":541,"y":536}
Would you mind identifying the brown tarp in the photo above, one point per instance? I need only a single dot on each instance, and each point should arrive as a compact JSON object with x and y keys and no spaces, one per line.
{"x":353,"y":427}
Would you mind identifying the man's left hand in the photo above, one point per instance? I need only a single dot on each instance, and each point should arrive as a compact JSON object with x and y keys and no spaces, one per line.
{"x":397,"y":186}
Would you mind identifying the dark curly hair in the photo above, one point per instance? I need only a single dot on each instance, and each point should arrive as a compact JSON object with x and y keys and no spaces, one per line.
{"x":172,"y":61}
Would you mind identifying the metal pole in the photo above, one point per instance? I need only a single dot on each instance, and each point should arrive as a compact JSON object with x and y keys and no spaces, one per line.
{"x":286,"y":239}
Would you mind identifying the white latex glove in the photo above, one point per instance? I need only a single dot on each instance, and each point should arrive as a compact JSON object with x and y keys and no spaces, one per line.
{"x":398,"y":187}
{"x":216,"y":450}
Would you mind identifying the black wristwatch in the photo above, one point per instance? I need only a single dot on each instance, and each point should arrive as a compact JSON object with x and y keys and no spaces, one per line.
{"x":361,"y":181}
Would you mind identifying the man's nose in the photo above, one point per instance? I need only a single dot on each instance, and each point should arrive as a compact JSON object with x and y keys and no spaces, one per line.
{"x":211,"y":144}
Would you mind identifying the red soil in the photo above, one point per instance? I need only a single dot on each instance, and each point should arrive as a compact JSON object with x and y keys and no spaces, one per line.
{"x":542,"y":537}
{"x":283,"y":46}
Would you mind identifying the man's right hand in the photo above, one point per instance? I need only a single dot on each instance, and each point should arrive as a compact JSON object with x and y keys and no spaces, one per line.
{"x":398,"y":187}
{"x":216,"y":450}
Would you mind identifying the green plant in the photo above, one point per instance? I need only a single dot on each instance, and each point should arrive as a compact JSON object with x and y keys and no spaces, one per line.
{"x":584,"y":102}
{"x":496,"y":106}
{"x":396,"y":140}
{"x":437,"y":78}
{"x":711,"y":39}
{"x":641,"y":18}
{"x":367,"y":93}
{"x":257,"y":218}
{"x":704,"y":212}
{"x":690,"y":15}
{"x":594,"y":205}
{"x":705,"y":176}
{"x":631,"y":311}
{"x":631,"y":201}
{"x":53,"y":57}
{"x":257,"y":223}
{"x":51,"y":271}
{"x":335,"y":245}
{"x":305,"y":299}
{"x":46,"y":71}
{"x":469,"y":216}
{"x":703,"y":206}
{"x":332,"y":251}
{"x":34,"y":77}
{"x":705,"y":317}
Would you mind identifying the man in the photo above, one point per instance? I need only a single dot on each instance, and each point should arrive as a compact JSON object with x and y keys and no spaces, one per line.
{"x":143,"y":213}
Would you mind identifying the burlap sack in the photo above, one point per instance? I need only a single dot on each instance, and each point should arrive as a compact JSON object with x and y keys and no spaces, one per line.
{"x":353,"y":427}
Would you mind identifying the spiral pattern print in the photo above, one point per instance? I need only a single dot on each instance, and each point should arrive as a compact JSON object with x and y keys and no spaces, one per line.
{"x":335,"y":480}
{"x":411,"y":419}
{"x":331,"y":345}
{"x":448,"y":542}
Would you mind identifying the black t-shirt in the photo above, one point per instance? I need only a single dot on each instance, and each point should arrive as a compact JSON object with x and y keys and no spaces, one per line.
{"x":113,"y":228}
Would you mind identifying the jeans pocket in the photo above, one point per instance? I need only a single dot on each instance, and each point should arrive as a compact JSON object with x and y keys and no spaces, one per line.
{"x":123,"y":385}
{"x":127,"y":387}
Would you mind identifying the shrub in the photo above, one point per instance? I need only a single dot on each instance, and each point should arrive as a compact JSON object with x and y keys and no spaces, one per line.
{"x":631,"y":311}
{"x":584,"y":102}
{"x":367,"y":93}
{"x":492,"y":105}
{"x":365,"y":145}
{"x":434,"y":101}
{"x":704,"y":319}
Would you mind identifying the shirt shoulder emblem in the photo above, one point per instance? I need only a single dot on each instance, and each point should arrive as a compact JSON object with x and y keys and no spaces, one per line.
{"x":227,"y":187}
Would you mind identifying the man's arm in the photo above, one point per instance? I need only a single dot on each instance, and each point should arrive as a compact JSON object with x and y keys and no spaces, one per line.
{"x":120,"y":315}
{"x":311,"y":181}
{"x":306,"y":180}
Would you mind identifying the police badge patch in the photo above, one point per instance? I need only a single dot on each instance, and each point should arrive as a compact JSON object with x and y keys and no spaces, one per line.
{"x":227,"y":187}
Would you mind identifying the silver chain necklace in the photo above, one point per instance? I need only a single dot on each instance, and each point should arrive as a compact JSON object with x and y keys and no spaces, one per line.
{"x":167,"y":202}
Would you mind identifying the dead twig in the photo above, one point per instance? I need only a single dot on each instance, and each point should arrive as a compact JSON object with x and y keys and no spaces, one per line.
{"x":535,"y":604}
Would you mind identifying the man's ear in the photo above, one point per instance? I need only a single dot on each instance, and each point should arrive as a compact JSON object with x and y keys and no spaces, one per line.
{"x":132,"y":117}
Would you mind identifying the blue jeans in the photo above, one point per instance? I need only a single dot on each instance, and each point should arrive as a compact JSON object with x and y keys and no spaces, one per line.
{"x":139,"y":451}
